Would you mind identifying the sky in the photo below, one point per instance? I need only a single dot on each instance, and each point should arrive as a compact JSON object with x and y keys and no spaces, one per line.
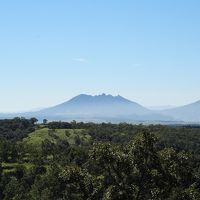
{"x":51,"y":51}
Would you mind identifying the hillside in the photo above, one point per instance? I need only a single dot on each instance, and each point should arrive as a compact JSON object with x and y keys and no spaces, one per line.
{"x":35,"y":139}
{"x":189,"y":113}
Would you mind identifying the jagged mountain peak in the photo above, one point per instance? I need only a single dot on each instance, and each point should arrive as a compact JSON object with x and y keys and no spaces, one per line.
{"x":107,"y":98}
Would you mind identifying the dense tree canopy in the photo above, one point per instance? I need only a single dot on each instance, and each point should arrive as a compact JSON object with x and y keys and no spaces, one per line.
{"x":104,"y":161}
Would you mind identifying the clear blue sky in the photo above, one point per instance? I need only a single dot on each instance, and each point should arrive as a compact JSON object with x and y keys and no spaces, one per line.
{"x":50,"y":51}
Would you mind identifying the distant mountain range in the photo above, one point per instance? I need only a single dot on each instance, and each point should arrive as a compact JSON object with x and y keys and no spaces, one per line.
{"x":108,"y":108}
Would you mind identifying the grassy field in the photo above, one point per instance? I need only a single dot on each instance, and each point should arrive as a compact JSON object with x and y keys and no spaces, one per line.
{"x":36,"y":138}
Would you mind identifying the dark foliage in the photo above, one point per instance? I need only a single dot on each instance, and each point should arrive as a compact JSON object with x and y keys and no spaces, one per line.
{"x":120,"y":162}
{"x":16,"y":128}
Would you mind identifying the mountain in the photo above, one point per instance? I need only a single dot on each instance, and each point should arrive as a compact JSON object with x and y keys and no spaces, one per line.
{"x":108,"y":108}
{"x":188,"y":113}
{"x":97,"y":108}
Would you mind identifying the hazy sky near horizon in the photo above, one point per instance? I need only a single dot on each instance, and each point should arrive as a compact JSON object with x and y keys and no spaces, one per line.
{"x":50,"y":51}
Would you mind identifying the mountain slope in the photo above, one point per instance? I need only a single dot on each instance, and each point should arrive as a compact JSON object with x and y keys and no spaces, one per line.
{"x":190,"y":112}
{"x":98,"y":105}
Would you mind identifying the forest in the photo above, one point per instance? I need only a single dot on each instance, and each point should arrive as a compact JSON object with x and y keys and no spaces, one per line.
{"x":88,"y":161}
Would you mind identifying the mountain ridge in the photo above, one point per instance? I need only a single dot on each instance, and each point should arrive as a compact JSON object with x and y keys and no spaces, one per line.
{"x":189,"y":112}
{"x":110,"y":108}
